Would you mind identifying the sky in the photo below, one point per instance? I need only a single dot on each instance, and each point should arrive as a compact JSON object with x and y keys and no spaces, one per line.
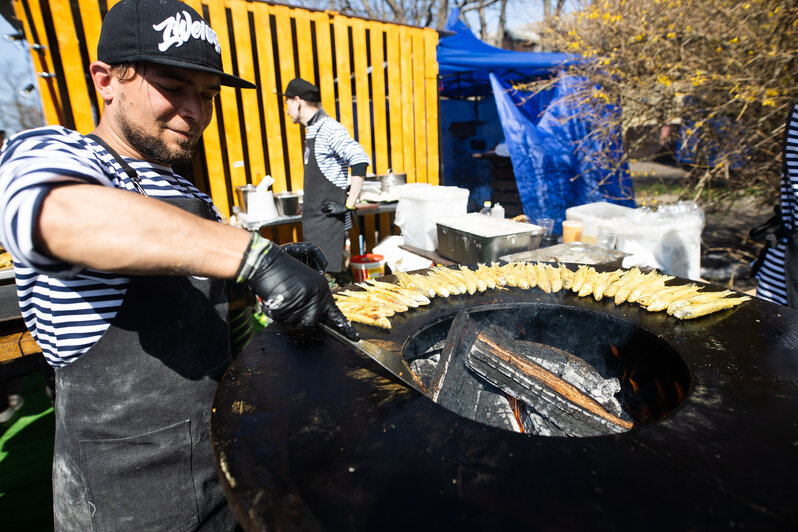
{"x":520,"y":13}
{"x":16,"y":70}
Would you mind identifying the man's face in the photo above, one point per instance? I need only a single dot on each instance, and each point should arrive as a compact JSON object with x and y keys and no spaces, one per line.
{"x":162,"y":111}
{"x":292,"y":106}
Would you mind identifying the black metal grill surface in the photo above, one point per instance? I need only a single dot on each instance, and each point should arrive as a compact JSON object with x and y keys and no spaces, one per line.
{"x":310,"y":435}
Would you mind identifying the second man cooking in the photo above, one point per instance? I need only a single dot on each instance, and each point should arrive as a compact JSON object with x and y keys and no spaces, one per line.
{"x":330,"y":152}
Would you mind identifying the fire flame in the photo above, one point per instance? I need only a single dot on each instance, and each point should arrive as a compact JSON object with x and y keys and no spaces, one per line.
{"x":515,"y":405}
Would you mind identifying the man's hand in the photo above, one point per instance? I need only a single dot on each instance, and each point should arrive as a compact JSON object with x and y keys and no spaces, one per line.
{"x":291,"y":292}
{"x":308,"y":254}
{"x":332,"y":208}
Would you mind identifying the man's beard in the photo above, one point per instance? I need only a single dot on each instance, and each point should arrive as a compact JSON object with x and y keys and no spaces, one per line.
{"x":155,"y":150}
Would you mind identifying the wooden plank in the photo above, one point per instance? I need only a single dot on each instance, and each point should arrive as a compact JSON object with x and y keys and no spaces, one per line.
{"x":362,"y":98}
{"x":370,"y":232}
{"x":344,"y":71}
{"x":285,"y":234}
{"x":74,"y":69}
{"x":380,"y":163}
{"x":394,"y":95}
{"x":17,"y":345}
{"x":408,"y":123}
{"x":269,"y":96}
{"x":304,"y":45}
{"x":431,"y":91}
{"x":419,"y":105}
{"x":214,"y":161}
{"x":285,"y":50}
{"x":354,"y":240}
{"x":92,"y":21}
{"x":385,"y":225}
{"x":325,"y":60}
{"x":51,"y":100}
{"x":217,"y":18}
{"x":249,"y":97}
{"x":267,"y":232}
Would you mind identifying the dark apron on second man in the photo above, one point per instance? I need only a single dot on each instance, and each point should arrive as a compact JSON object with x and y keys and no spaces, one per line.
{"x":132,"y":443}
{"x":327,"y":232}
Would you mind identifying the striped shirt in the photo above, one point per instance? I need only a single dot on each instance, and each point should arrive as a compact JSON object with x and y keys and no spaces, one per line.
{"x":335,"y":150}
{"x":66,"y":307}
{"x":772,"y":284}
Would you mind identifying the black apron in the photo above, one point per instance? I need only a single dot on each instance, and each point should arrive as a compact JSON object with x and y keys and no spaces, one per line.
{"x":132,"y":438}
{"x":327,"y":232}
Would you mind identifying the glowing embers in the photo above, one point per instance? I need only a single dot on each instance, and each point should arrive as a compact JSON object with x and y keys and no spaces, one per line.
{"x":548,"y":370}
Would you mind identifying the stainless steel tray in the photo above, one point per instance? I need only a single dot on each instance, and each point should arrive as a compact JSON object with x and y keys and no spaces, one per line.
{"x":572,"y":252}
{"x":475,"y":237}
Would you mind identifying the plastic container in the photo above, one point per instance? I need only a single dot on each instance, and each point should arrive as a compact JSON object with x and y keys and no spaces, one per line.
{"x":571,"y":231}
{"x":367,"y":266}
{"x":485,"y":208}
{"x":421,"y":205}
{"x":598,"y":215}
{"x":668,"y":239}
{"x":497,"y":210}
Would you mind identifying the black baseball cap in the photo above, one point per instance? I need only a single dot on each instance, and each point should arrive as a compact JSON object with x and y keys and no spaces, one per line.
{"x":304,"y":89}
{"x":166,"y":32}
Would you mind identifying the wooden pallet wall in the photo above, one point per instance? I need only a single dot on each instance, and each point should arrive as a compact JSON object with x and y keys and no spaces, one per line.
{"x":378,"y":79}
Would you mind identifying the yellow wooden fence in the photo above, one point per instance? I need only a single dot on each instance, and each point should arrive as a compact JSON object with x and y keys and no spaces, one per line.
{"x":378,"y":79}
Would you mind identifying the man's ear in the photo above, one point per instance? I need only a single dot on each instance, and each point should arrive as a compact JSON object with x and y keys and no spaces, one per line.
{"x":103,"y":80}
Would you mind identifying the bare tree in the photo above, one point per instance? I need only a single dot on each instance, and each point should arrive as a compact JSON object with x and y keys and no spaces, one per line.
{"x":431,"y":13}
{"x":713,"y":81}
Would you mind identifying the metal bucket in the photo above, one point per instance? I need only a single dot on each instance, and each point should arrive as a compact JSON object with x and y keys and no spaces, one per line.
{"x":257,"y":206}
{"x":390,"y":180}
{"x":288,"y":203}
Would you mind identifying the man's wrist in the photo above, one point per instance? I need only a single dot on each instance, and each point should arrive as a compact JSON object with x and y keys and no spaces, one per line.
{"x":254,"y":258}
{"x":350,"y":206}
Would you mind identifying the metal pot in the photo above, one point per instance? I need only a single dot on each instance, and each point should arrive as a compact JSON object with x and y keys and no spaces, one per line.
{"x":288,"y":203}
{"x":390,"y":180}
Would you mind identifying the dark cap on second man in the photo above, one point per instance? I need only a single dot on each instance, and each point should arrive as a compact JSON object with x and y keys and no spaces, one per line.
{"x":304,"y":89}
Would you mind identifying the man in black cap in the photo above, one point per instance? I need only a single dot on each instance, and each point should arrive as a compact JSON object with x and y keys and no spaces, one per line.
{"x":330,"y":153}
{"x":120,"y":268}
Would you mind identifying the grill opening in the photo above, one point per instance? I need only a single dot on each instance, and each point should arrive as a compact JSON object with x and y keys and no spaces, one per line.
{"x":653,"y":379}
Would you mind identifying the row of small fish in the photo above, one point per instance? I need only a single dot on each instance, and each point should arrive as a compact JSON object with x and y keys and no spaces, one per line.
{"x":379,"y":300}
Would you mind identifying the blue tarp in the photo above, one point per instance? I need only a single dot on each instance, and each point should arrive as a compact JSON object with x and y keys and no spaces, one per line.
{"x":552,"y":155}
{"x":554,"y":160}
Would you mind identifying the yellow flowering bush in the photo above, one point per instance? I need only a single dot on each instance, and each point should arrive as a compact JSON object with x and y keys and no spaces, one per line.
{"x":715,"y":77}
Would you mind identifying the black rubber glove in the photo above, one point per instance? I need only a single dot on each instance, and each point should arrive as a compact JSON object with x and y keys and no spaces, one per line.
{"x":332,"y":208}
{"x":308,"y":254}
{"x":291,"y":292}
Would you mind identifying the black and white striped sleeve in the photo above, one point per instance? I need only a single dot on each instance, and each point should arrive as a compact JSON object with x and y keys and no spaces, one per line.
{"x":32,"y":163}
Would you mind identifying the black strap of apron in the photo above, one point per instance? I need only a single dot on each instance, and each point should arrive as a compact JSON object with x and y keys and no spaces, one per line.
{"x":134,"y":177}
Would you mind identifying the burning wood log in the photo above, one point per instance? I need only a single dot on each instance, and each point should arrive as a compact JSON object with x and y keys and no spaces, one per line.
{"x":459,"y":390}
{"x":511,"y":366}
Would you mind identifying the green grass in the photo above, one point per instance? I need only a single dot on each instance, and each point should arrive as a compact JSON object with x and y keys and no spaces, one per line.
{"x":647,"y":192}
{"x":26,"y":459}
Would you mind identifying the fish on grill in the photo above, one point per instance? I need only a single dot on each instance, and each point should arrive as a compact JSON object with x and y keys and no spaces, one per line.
{"x":378,"y":300}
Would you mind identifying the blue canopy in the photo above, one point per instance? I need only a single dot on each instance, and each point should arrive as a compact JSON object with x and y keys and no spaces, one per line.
{"x":556,"y":161}
{"x":464,"y":63}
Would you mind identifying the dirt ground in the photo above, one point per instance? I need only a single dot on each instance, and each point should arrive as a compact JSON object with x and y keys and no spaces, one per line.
{"x":726,"y":250}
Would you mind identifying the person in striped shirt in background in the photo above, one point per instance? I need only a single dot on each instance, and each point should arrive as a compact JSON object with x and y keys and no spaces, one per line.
{"x":330,"y":153}
{"x":122,"y":267}
{"x":777,"y":275}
